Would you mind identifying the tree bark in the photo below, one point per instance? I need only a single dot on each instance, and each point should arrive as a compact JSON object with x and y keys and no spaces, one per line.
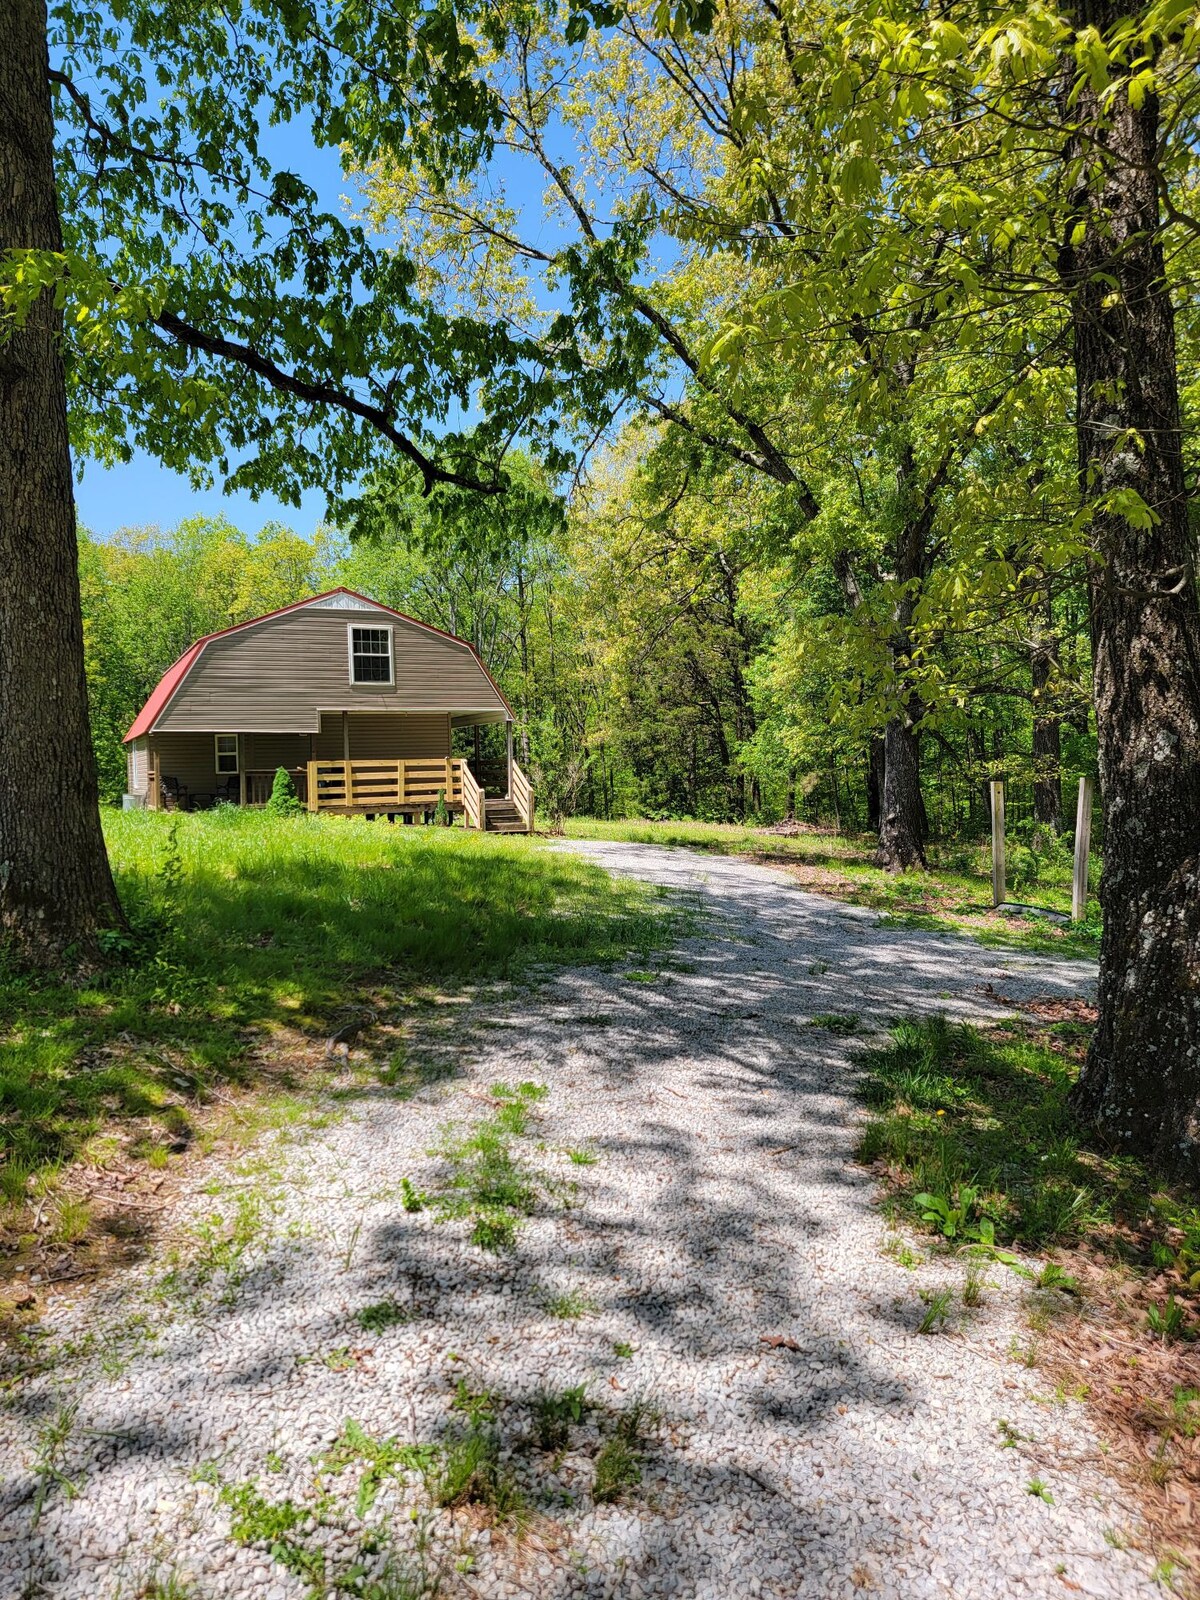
{"x":1141,"y":1082}
{"x":1047,"y":734}
{"x":875,"y":778}
{"x":56,"y":891}
{"x":902,"y":824}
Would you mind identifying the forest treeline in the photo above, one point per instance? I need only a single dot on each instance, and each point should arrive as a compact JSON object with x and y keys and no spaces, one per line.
{"x":655,"y":669}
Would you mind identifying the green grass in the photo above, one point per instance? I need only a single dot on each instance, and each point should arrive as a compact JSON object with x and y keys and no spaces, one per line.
{"x":955,"y":894}
{"x":979,"y":1121}
{"x":248,"y":925}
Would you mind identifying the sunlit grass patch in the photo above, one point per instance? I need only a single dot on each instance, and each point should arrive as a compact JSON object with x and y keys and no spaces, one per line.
{"x":251,"y":934}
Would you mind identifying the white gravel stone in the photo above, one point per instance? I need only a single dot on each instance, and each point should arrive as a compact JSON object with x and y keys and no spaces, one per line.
{"x":724,"y":1207}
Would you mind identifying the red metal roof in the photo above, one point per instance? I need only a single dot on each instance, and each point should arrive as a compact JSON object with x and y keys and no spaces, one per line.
{"x":171,"y":679}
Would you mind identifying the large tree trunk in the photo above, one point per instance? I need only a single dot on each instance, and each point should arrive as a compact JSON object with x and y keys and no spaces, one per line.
{"x":902,"y":824}
{"x":875,"y":779}
{"x":56,"y":891}
{"x":1141,"y":1082}
{"x":1047,"y":734}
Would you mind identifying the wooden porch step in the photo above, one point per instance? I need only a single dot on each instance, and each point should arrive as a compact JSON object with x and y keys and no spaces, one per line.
{"x":502,"y":816}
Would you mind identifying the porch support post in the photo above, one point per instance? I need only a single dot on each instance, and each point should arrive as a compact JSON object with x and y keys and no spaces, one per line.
{"x":345,"y":736}
{"x":508,"y":790}
{"x":242,"y":755}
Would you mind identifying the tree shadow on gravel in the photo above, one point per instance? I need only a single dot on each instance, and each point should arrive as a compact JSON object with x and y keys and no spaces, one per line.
{"x":706,"y":1241}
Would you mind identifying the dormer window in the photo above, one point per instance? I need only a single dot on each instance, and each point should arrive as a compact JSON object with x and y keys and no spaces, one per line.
{"x":370,"y":655}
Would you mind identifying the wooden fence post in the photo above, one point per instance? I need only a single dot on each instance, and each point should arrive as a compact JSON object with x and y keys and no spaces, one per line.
{"x":313,"y":801}
{"x":998,"y":890}
{"x":1083,"y":845}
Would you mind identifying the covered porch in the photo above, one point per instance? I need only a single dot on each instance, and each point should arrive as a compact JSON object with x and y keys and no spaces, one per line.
{"x":492,"y":796}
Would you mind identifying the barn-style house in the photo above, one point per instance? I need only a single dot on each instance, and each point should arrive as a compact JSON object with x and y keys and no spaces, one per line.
{"x":356,"y":701}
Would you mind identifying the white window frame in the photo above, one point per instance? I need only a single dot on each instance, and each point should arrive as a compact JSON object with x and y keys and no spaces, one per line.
{"x":371,"y":683}
{"x":235,"y":770}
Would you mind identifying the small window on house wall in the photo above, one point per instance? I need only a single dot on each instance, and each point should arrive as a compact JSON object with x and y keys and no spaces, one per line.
{"x":370,"y":655}
{"x":227,"y":753}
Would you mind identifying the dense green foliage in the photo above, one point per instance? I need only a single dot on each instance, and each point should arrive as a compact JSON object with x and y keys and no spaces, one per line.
{"x":963,"y":1115}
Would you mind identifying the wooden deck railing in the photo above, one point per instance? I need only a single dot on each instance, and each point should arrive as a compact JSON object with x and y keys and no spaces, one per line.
{"x":522,"y":796}
{"x":385,"y":785}
{"x":472,"y":797}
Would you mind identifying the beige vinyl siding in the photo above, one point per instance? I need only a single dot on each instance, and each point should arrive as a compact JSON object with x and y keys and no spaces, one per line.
{"x":280,"y":675}
{"x":328,"y":745}
{"x":190,"y":758}
{"x":138,"y":767}
{"x":398,"y":737}
{"x":383,"y":737}
{"x":263,"y":752}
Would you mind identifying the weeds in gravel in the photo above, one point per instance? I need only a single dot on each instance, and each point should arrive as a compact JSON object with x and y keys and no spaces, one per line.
{"x":253,"y":1519}
{"x":555,"y":1414}
{"x":380,"y":1459}
{"x":381,"y":1316}
{"x":167,"y":1586}
{"x":937,"y":1304}
{"x":582,"y":1158}
{"x":479,"y":1406}
{"x":568,"y":1304}
{"x":618,"y":1466}
{"x":53,"y":1440}
{"x":842,"y":1023}
{"x":974,"y":1283}
{"x":1038,"y":1489}
{"x":618,"y":1469}
{"x":469,"y":1471}
{"x":623,"y":1349}
{"x":486,"y":1182}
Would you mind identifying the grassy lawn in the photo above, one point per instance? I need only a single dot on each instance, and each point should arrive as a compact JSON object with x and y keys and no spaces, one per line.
{"x":254,"y":938}
{"x":955,"y":894}
{"x":970,"y":1133}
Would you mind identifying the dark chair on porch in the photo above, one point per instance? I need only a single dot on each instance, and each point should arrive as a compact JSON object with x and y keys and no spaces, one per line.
{"x":174,"y":794}
{"x":227,"y":793}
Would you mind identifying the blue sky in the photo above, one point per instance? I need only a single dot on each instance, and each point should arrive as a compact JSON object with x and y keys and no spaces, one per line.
{"x":144,"y":491}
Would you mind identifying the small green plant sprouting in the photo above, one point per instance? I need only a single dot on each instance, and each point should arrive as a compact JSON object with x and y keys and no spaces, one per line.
{"x":1167,"y":1321}
{"x":902,"y":1253}
{"x":255,"y":1520}
{"x":568,"y":1305}
{"x":954,"y":1214}
{"x":1038,"y":1489}
{"x":381,"y":1316}
{"x":381,"y":1459}
{"x":477,"y":1405}
{"x":974,"y":1284}
{"x":53,"y":1440}
{"x":1010,"y":1437}
{"x":937,"y":1309}
{"x":841,"y":1023}
{"x":582,"y":1158}
{"x":468,"y":1471}
{"x":555,"y":1414}
{"x":1052,"y":1276}
{"x":411,"y":1199}
{"x":623,"y":1349}
{"x":618,"y":1468}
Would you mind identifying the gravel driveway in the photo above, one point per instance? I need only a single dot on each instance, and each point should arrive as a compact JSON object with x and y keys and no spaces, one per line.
{"x":723,"y":1211}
